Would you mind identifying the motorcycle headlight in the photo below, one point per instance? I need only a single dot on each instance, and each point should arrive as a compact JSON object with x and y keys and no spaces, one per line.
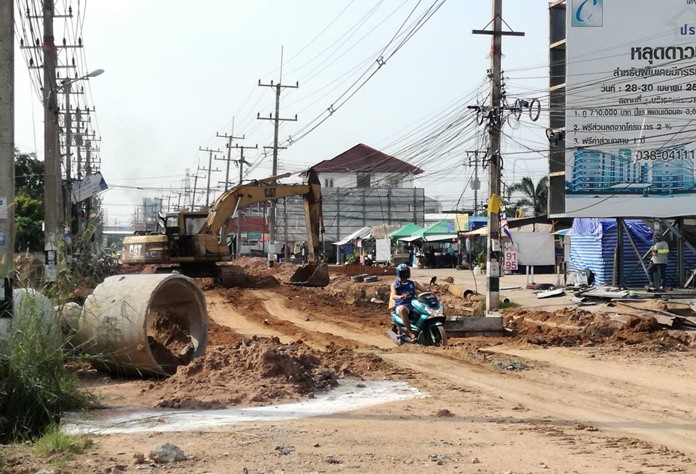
{"x":433,"y":312}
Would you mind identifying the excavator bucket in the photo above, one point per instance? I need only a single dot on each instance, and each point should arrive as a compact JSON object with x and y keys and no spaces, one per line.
{"x":312,"y":274}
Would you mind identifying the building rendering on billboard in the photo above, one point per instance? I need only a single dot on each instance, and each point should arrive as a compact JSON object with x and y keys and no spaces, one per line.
{"x":630,"y":108}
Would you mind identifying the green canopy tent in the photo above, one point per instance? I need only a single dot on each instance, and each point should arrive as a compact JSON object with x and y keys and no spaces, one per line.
{"x":441,"y":230}
{"x":405,"y":231}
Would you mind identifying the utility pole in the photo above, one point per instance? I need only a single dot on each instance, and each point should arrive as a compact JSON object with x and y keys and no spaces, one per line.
{"x":285,"y":230}
{"x":52,"y":175}
{"x":493,"y":247}
{"x":474,"y":161}
{"x":241,"y":163}
{"x":229,"y":152}
{"x":7,"y":162}
{"x":276,"y":124}
{"x":209,"y":170}
{"x":195,"y":185}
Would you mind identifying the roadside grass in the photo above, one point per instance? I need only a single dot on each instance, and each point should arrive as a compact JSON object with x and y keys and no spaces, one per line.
{"x":480,"y":310}
{"x":55,"y":442}
{"x":35,"y":387}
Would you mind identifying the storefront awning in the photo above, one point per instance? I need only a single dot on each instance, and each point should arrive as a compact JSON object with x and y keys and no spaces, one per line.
{"x":479,"y":231}
{"x":411,"y":238}
{"x":440,"y":237}
{"x":363,"y":233}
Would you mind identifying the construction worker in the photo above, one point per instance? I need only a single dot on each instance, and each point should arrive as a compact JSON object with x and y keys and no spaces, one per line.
{"x":657,"y":271}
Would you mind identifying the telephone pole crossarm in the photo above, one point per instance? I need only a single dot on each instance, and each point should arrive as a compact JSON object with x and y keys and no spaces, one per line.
{"x":228,"y":145}
{"x":209,"y":170}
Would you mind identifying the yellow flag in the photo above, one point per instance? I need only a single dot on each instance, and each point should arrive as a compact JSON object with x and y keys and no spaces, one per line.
{"x":494,"y":204}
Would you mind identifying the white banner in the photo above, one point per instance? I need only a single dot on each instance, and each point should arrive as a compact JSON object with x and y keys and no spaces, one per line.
{"x":534,"y":248}
{"x":383,"y":250}
{"x":630,"y":108}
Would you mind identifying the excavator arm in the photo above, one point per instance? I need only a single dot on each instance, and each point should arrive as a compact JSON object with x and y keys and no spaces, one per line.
{"x":267,"y":190}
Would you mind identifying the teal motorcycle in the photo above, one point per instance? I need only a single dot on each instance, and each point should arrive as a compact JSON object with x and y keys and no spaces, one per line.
{"x":427,"y":320}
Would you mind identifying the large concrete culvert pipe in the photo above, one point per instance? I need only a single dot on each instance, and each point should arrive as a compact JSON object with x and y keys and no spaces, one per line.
{"x":144,"y":324}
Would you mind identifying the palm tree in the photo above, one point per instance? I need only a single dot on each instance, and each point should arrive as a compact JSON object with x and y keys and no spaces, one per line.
{"x":533,"y":197}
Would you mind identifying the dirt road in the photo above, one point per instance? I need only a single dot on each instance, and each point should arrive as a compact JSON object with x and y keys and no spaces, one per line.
{"x":641,"y":399}
{"x":507,"y":405}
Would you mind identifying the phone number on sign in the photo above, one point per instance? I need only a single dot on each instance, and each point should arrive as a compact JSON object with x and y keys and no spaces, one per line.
{"x":664,"y":155}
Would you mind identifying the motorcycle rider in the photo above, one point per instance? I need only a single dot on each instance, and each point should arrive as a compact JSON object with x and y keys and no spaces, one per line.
{"x":403,"y":290}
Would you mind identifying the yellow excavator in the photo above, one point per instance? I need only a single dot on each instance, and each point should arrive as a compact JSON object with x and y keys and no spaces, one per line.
{"x":191,"y":241}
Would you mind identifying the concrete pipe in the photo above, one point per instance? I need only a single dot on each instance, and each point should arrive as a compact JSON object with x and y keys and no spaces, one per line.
{"x":33,"y":314}
{"x":144,"y":324}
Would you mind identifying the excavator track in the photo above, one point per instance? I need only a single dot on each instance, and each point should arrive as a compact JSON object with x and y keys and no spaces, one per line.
{"x":231,"y":276}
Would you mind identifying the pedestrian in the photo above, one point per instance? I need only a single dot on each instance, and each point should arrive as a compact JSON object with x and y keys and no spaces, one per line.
{"x":657,"y":271}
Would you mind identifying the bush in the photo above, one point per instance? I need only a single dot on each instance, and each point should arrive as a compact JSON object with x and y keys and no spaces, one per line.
{"x":35,"y":388}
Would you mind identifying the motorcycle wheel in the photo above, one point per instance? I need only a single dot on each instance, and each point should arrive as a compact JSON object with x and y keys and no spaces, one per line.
{"x":436,"y":336}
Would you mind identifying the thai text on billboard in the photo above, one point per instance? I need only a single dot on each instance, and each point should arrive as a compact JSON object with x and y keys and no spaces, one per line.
{"x":630,"y":108}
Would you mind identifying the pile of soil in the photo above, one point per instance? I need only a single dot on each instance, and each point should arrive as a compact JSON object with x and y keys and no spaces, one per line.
{"x":260,"y":276}
{"x":169,"y":336}
{"x":260,"y":370}
{"x":575,"y":327}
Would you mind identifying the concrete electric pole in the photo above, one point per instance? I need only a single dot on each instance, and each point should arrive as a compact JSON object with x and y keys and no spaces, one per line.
{"x":474,"y":161}
{"x":208,"y":170}
{"x":7,"y":162}
{"x":229,"y":139}
{"x":241,"y":163}
{"x":53,"y":198}
{"x":493,"y":247}
{"x":276,"y":124}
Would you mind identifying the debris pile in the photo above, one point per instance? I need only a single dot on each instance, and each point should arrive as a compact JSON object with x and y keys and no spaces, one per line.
{"x":260,"y":370}
{"x":571,"y":327}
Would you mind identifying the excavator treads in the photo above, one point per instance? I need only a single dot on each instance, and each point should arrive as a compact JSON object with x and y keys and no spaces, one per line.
{"x":231,"y":276}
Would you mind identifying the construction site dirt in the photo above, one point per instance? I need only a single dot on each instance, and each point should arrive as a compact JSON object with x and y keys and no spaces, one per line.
{"x":569,"y":389}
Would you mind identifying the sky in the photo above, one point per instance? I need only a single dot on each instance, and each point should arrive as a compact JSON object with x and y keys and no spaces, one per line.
{"x":177,"y":73}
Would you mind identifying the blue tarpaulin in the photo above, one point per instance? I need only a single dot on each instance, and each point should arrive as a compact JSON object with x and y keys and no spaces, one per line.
{"x":593,"y":243}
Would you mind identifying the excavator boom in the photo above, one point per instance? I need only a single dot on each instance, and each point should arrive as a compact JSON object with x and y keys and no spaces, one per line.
{"x":266,"y":190}
{"x":192,"y":241}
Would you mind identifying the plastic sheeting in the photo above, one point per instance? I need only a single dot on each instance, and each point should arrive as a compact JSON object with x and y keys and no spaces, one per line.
{"x":593,"y":243}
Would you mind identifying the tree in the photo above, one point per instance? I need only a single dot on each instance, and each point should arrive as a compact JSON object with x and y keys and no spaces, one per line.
{"x":29,"y":208}
{"x":534,"y":198}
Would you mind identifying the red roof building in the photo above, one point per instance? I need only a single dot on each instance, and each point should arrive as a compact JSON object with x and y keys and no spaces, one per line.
{"x":365,"y":167}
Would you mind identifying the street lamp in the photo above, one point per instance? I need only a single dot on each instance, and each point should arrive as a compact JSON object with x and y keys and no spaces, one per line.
{"x":52,"y":175}
{"x":66,"y":85}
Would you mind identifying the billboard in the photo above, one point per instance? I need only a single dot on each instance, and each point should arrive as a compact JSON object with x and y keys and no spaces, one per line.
{"x":630,"y":108}
{"x":88,"y":187}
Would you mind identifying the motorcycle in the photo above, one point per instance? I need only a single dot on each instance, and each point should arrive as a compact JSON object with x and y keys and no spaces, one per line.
{"x":427,"y":319}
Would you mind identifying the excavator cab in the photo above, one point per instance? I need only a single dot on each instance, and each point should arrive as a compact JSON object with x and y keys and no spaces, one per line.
{"x":191,"y":239}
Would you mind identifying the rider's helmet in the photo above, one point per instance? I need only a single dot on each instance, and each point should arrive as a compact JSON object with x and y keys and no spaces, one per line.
{"x":402,"y":271}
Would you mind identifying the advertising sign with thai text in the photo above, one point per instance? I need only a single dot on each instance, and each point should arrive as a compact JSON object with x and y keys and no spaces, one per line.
{"x":88,"y":187}
{"x":630,"y":108}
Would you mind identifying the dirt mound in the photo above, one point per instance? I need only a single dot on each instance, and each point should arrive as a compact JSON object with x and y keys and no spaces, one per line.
{"x":575,"y":327}
{"x":169,"y":336}
{"x":219,"y":335}
{"x":259,"y":371}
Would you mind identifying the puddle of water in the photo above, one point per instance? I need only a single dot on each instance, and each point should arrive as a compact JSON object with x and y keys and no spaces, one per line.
{"x":349,"y":396}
